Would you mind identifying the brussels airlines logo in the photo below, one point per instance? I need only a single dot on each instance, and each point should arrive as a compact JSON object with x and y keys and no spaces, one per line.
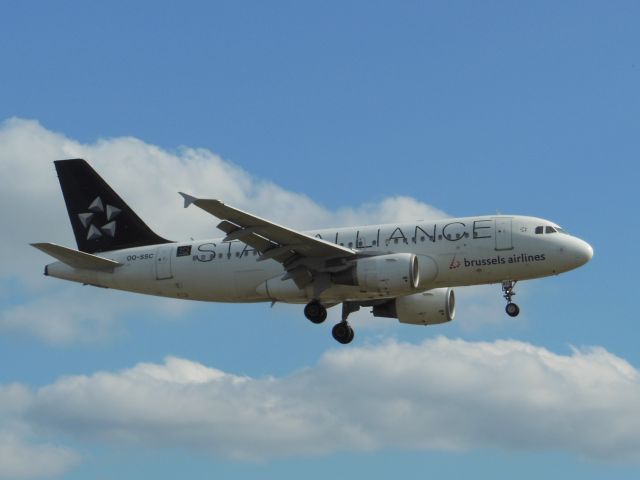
{"x":96,"y":208}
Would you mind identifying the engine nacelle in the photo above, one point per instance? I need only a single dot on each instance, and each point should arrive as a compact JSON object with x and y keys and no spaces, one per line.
{"x":392,"y":274}
{"x":424,"y":308}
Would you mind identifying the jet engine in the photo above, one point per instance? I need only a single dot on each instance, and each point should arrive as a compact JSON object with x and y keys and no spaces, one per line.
{"x":396,"y":273}
{"x":424,"y":308}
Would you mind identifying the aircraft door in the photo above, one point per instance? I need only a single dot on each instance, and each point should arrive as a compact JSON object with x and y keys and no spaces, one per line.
{"x":504,"y":239}
{"x":163,"y":262}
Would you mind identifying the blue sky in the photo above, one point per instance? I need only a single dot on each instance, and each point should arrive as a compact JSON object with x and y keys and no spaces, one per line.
{"x":311,"y":114}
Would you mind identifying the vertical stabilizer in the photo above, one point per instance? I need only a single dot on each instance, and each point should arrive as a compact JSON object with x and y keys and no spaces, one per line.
{"x":100,"y":219}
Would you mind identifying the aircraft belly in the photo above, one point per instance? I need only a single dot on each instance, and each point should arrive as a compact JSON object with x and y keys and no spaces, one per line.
{"x":246,"y":282}
{"x":223,"y":281}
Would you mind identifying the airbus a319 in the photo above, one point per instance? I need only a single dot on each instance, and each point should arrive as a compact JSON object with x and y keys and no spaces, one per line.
{"x":403,"y":271}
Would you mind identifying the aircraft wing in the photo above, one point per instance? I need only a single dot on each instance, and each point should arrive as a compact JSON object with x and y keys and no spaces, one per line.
{"x":273,"y":241}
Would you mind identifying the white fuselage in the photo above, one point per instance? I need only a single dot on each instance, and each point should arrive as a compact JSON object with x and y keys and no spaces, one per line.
{"x":455,"y":252}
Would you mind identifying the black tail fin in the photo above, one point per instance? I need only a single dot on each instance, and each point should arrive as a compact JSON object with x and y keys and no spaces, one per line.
{"x":101,"y":220}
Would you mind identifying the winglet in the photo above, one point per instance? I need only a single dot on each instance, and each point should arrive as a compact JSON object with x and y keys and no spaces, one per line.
{"x":188,"y":199}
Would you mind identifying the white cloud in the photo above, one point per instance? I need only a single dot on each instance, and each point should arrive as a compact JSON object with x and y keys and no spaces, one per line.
{"x":441,"y":394}
{"x":75,"y":314}
{"x":148,"y":178}
{"x":20,"y":458}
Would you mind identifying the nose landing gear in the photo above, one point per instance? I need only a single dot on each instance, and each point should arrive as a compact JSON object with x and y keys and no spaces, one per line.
{"x":507,"y":289}
{"x":512,"y":309}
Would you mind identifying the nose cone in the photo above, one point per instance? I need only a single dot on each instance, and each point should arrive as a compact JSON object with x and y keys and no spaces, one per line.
{"x":581,"y":252}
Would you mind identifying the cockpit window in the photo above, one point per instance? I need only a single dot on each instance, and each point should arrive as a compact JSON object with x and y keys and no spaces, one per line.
{"x":549,"y":229}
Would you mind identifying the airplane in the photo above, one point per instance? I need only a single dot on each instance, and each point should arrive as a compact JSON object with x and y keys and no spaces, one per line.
{"x":404,"y":271}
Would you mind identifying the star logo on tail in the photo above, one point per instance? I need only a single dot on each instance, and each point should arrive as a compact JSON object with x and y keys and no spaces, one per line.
{"x":97,"y":210}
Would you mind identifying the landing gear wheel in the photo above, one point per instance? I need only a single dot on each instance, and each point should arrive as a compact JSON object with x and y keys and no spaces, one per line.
{"x":343,"y":332}
{"x":507,"y":292}
{"x":315,"y":312}
{"x":512,"y":309}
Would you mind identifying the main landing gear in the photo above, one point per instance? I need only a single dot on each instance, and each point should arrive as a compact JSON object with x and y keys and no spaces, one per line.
{"x":315,"y":312}
{"x":507,"y":289}
{"x":342,"y":331}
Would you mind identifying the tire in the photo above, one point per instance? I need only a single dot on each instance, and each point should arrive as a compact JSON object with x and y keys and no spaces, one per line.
{"x":512,"y":309}
{"x":343,"y":333}
{"x":351,"y":334}
{"x":315,"y":312}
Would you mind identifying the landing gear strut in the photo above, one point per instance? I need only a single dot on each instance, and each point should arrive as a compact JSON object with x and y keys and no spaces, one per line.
{"x":507,"y":289}
{"x":315,"y":312}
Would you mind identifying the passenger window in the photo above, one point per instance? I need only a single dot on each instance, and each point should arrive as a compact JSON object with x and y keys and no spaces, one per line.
{"x":550,"y":230}
{"x":539,"y":230}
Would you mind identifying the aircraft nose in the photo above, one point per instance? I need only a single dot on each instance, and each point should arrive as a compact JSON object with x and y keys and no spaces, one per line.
{"x":582,"y":251}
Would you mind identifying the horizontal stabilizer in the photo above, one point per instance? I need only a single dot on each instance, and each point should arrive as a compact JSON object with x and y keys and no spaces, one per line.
{"x":75,"y":258}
